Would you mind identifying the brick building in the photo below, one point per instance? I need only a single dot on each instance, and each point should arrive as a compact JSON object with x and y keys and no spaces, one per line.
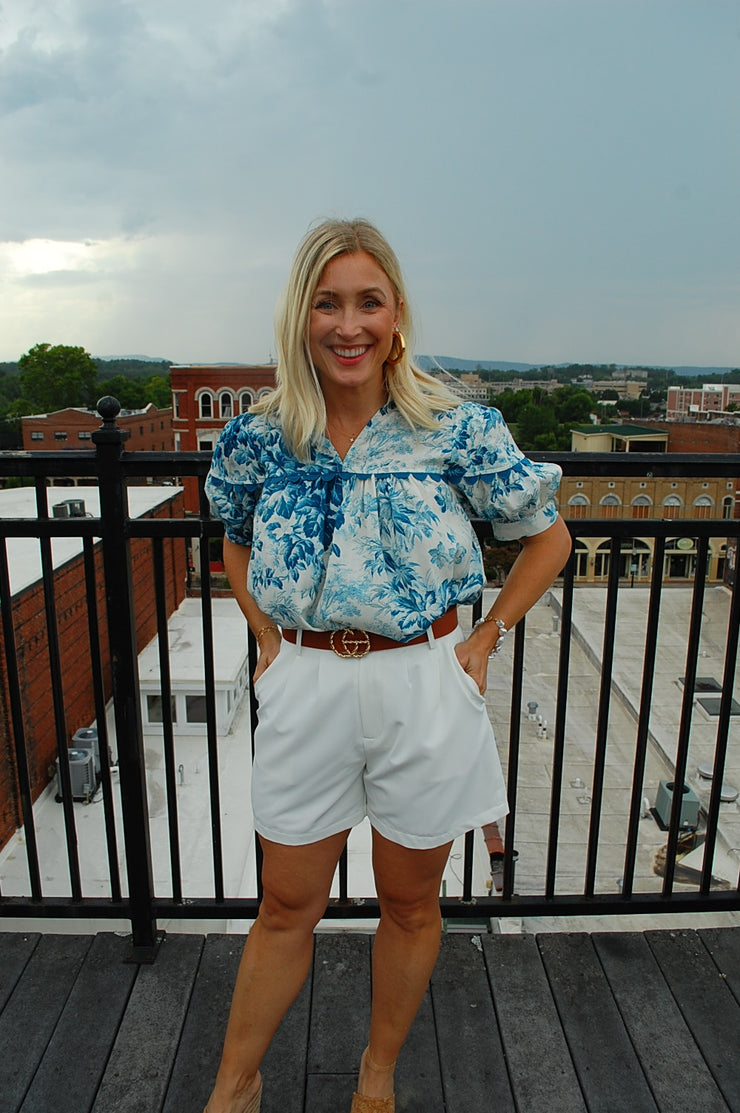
{"x":150,"y":429}
{"x":644,"y":498}
{"x":701,"y":402}
{"x":71,"y":608}
{"x":204,"y":398}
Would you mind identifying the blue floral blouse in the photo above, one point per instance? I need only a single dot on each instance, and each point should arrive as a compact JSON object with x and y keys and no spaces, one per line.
{"x":381,"y":540}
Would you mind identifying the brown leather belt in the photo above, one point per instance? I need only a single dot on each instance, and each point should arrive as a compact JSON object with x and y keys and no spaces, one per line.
{"x":358,"y":643}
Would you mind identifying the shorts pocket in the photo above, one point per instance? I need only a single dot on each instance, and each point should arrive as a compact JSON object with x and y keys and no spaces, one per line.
{"x":463,"y":679}
{"x":266,"y":680}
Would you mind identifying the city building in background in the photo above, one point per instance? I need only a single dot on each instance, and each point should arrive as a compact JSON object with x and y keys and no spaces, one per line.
{"x":149,"y":430}
{"x":700,"y":403}
{"x":638,"y":499}
{"x":204,"y":398}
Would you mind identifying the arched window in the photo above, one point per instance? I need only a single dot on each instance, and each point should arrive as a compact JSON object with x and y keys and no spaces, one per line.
{"x":703,"y":506}
{"x":226,"y":405}
{"x":728,"y":506}
{"x":578,"y":506}
{"x":245,"y":401}
{"x":641,"y":506}
{"x":672,"y":506}
{"x":610,"y":506}
{"x":205,"y":404}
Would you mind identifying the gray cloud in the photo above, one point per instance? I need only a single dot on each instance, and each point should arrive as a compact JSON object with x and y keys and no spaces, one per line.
{"x":559,"y":178}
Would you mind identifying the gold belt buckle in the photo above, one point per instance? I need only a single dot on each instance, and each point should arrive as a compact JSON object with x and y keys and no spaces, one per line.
{"x":349,"y":642}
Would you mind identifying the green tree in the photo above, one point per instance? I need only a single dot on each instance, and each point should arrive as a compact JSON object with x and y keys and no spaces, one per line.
{"x":55,"y":377}
{"x":158,"y":391}
{"x":544,"y":419}
{"x":129,"y":392}
{"x":573,"y":406}
{"x":135,"y":394}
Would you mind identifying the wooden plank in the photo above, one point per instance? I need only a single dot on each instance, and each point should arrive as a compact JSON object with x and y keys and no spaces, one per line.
{"x":284,"y":1066}
{"x":544,"y":1081}
{"x":470,"y":1050}
{"x":199,"y":1050}
{"x":608,"y":1069}
{"x":329,"y":1091}
{"x":138,"y":1070}
{"x":340,"y":1003}
{"x":418,"y":1078}
{"x":33,"y":1009}
{"x":16,"y":949}
{"x":679,"y":1078}
{"x":723,"y":945}
{"x":70,"y":1071}
{"x":708,"y":1006}
{"x":341,"y":1014}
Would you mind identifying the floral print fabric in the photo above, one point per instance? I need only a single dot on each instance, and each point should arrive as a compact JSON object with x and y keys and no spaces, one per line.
{"x":381,"y":540}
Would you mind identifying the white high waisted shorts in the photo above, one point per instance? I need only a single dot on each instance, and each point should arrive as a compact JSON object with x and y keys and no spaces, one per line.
{"x":401,"y":736}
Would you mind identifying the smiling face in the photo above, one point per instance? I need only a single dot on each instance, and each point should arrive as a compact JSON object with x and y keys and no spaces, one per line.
{"x":353,"y":314}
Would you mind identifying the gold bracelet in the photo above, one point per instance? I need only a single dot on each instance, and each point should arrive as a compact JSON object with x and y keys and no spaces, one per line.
{"x":265,"y":630}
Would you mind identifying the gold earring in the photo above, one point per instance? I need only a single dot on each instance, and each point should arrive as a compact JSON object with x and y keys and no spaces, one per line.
{"x":394,"y":356}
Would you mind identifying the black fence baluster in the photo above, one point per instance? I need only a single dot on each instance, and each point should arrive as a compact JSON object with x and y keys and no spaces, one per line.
{"x":643,"y":723}
{"x":93,"y":627}
{"x":19,"y":734}
{"x":125,"y":678}
{"x":687,"y":704}
{"x":168,"y":737}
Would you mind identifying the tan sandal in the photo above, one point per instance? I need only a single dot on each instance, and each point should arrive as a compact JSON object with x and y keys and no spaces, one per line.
{"x":254,"y":1103}
{"x":361,"y":1103}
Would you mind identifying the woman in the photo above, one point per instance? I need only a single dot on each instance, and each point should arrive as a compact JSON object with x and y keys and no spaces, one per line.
{"x":345,"y":497}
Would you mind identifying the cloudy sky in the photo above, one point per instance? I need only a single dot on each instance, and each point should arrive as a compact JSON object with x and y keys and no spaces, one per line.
{"x":560,"y":178}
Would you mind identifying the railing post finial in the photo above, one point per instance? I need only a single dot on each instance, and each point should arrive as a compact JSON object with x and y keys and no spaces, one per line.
{"x":109,"y":433}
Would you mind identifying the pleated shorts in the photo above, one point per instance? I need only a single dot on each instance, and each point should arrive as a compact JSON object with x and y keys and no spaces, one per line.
{"x":401,"y":736}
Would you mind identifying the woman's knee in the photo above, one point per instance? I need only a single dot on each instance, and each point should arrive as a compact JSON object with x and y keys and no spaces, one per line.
{"x":411,"y":912}
{"x":288,"y":910}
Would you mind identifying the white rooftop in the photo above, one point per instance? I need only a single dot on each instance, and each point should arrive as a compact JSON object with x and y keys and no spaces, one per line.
{"x":24,"y":554}
{"x":184,"y":630}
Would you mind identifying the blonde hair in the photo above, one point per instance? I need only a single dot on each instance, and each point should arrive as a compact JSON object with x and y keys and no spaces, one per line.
{"x":297,"y":401}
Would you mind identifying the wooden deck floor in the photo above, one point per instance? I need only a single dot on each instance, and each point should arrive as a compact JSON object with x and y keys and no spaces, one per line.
{"x":554,"y":1023}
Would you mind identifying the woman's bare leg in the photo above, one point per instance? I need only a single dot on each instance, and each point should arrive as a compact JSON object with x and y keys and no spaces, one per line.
{"x":405,"y":951}
{"x":296,"y":883}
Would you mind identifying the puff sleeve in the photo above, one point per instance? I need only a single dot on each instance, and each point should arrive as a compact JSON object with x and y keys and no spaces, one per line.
{"x":495,"y":478}
{"x":234,"y":482}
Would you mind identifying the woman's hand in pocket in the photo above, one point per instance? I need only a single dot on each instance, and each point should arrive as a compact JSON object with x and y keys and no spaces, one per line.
{"x":270,"y":643}
{"x":473,"y":658}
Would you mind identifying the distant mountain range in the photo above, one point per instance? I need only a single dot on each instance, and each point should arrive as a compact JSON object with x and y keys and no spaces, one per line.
{"x":452,"y":363}
{"x":141,"y":359}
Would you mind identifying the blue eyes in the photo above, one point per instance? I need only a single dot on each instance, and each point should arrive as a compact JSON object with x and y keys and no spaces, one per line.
{"x":326,"y":306}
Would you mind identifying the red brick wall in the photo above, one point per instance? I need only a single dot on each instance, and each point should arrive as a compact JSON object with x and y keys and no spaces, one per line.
{"x":700,"y":436}
{"x":70,"y":605}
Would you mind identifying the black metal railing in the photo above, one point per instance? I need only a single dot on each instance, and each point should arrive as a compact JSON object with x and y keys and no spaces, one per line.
{"x":132,"y":892}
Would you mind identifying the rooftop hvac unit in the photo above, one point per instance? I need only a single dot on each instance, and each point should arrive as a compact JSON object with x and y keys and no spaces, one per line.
{"x":86,"y":738}
{"x":69,"y":508}
{"x":82,"y":776}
